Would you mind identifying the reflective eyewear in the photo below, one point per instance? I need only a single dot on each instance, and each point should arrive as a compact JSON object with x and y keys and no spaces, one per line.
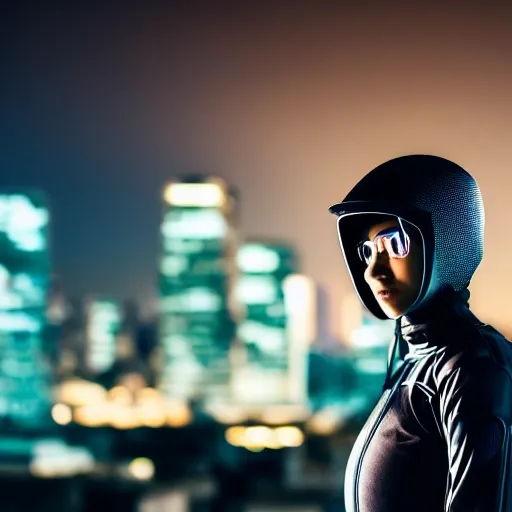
{"x":394,"y":241}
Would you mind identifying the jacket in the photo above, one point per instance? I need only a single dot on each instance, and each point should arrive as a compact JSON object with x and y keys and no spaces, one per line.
{"x":438,"y":440}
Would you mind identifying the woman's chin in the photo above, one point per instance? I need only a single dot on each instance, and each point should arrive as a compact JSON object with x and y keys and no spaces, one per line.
{"x":393,"y":312}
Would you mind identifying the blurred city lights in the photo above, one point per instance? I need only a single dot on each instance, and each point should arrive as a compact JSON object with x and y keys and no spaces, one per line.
{"x":282,"y":414}
{"x":257,"y":258}
{"x":145,"y":395}
{"x":124,"y":410}
{"x":179,"y":417}
{"x":194,"y":194}
{"x":325,"y":422}
{"x":256,"y":438}
{"x":120,"y":395}
{"x":142,"y":468}
{"x":226,"y":414}
{"x":54,"y":458}
{"x":62,"y":414}
{"x":151,"y":414}
{"x":290,"y":436}
{"x":262,"y":378}
{"x":77,"y":392}
{"x":234,"y":435}
{"x":123,"y":418}
{"x":254,"y":448}
{"x":328,"y":420}
{"x":93,"y":415}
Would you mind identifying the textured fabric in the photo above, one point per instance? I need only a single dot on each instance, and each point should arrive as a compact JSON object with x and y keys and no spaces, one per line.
{"x":439,"y":438}
{"x":437,"y":196}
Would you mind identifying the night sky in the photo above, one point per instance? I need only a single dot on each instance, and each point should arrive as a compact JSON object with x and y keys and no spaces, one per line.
{"x":293,"y":105}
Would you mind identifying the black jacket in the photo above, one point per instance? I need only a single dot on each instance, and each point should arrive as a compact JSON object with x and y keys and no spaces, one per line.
{"x":439,"y":437}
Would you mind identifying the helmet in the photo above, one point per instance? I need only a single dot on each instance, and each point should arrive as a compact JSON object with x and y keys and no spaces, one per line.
{"x":439,"y":200}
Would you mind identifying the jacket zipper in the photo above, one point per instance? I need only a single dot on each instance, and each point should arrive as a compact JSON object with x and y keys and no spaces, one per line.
{"x":373,"y":429}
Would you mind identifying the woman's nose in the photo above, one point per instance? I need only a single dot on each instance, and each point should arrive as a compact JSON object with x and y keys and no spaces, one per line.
{"x":379,"y":266}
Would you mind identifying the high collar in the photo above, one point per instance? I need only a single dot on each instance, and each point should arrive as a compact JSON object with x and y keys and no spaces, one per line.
{"x":426,"y":329}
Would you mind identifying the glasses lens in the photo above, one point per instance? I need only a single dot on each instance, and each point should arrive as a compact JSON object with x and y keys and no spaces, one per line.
{"x":397,"y":244}
{"x":365,"y":252}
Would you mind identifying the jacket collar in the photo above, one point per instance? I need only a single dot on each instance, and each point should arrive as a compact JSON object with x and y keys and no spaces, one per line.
{"x":429,"y":328}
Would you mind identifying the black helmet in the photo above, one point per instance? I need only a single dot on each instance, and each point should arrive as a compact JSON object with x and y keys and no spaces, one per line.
{"x":441,"y":201}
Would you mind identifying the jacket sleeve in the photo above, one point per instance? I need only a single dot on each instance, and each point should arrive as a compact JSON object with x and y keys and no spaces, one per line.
{"x":475,"y":402}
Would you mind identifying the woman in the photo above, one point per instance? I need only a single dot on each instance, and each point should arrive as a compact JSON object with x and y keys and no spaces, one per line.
{"x":411,"y":232}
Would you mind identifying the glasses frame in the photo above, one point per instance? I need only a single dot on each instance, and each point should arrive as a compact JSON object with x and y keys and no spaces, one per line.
{"x":384,"y":242}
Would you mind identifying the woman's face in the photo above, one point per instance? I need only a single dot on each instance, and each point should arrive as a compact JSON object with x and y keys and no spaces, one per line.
{"x":394,"y":282}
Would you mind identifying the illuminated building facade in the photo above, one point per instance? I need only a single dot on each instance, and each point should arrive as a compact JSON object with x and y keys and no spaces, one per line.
{"x":196,"y":276}
{"x":301,"y":309}
{"x":24,"y":279}
{"x":103,"y":317}
{"x":278,"y":325}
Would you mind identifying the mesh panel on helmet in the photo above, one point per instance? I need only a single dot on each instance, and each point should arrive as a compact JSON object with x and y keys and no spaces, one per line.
{"x":456,"y":206}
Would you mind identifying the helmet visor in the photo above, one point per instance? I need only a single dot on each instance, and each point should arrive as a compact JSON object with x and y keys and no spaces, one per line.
{"x":396,"y":237}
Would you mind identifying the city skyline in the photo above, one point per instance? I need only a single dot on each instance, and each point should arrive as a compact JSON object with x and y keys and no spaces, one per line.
{"x":102,"y":106}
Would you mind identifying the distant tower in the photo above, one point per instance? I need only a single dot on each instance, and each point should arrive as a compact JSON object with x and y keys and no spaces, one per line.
{"x":131,"y":316}
{"x":58,"y":309}
{"x":103,"y":322}
{"x":57,"y":313}
{"x":24,"y":280}
{"x":196,"y":276}
{"x":126,"y":347}
{"x":277,"y":325}
{"x":324,"y":319}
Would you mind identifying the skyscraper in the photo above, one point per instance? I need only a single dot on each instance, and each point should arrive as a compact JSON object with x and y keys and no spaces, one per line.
{"x":302,"y":322}
{"x":277,"y":325}
{"x":24,"y":278}
{"x":197,"y":269}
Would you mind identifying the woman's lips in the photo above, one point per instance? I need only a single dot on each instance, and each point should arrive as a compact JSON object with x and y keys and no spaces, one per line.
{"x":387,"y":293}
